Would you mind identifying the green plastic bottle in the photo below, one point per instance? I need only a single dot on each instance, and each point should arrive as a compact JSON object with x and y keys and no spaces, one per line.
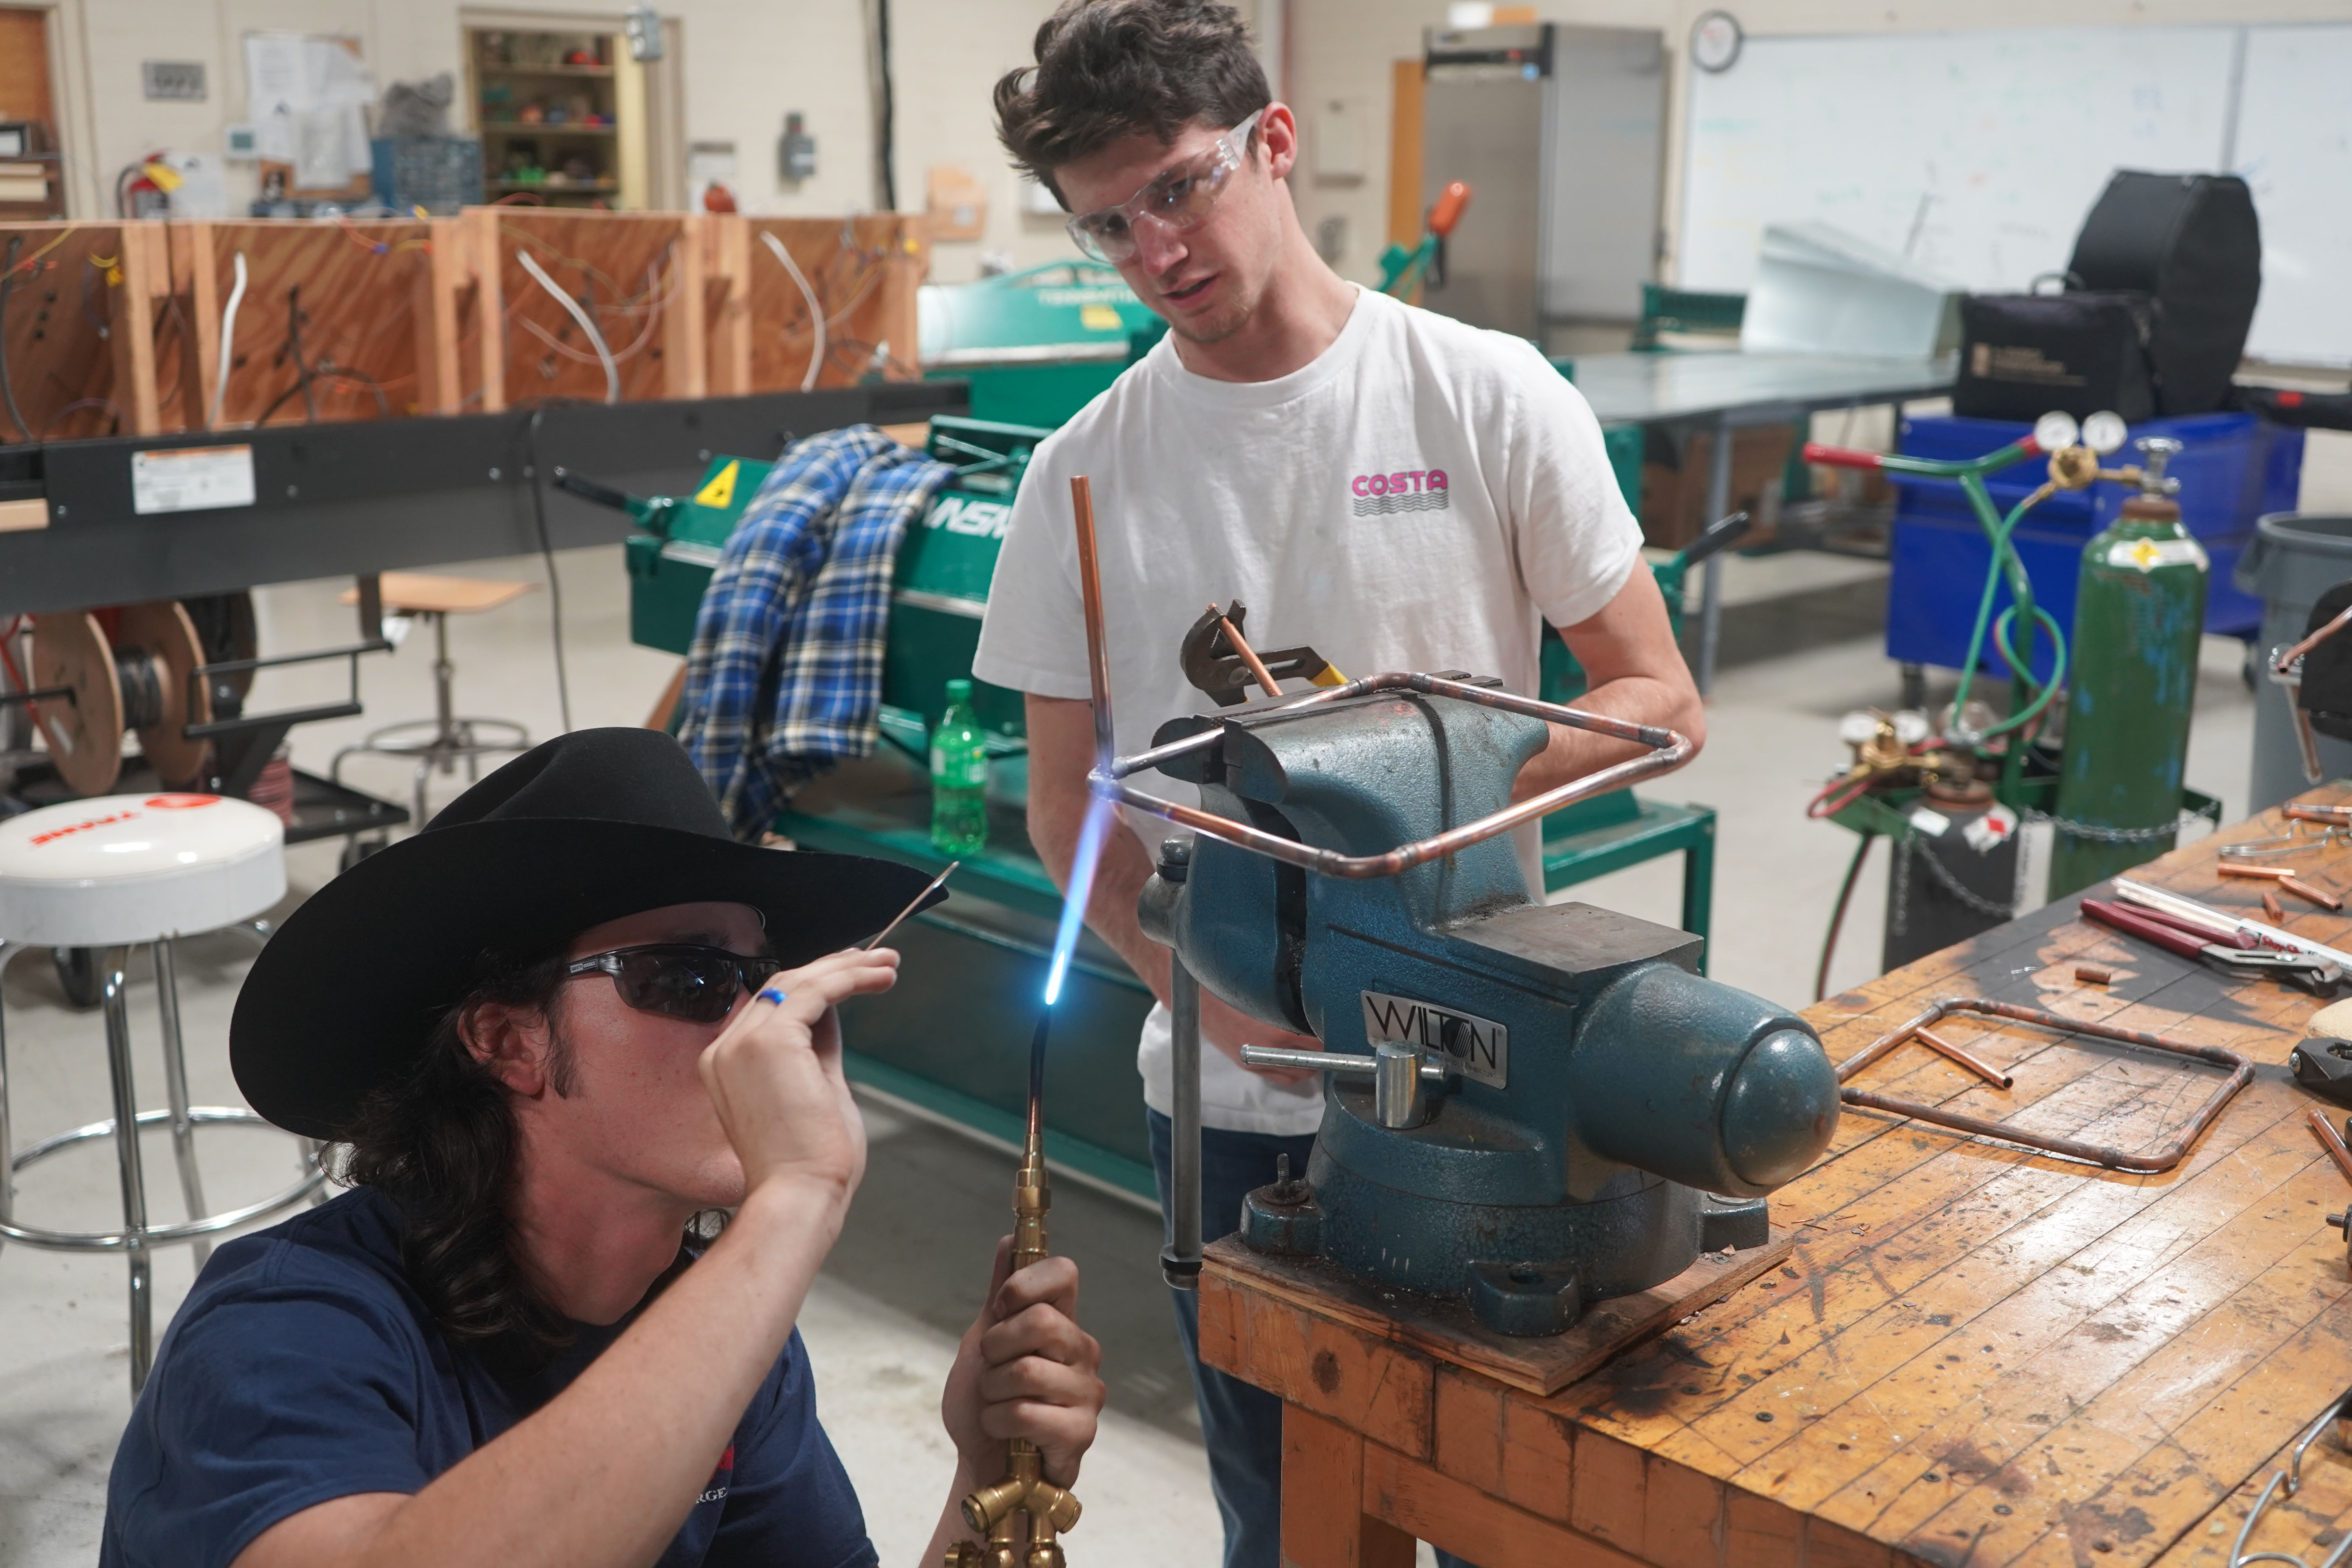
{"x":959,"y":777}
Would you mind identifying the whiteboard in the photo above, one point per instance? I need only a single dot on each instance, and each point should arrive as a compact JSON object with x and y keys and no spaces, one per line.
{"x":2294,"y":148}
{"x":2005,"y":137}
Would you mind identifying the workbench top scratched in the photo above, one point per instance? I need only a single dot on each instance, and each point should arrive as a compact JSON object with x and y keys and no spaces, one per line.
{"x":1976,"y":1355}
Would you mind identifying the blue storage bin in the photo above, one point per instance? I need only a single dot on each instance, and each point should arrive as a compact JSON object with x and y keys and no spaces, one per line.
{"x":2232,"y":469}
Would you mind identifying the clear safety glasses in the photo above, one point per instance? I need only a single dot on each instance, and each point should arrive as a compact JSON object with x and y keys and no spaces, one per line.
{"x":1180,"y":199}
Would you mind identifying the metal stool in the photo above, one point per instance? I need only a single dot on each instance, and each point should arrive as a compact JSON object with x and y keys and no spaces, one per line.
{"x":114,"y":873}
{"x":446,"y":739}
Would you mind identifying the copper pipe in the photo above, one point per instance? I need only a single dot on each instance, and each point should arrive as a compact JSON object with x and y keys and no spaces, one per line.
{"x":2271,"y":906}
{"x":2285,"y":659}
{"x":2242,"y":1073}
{"x":2269,"y":873}
{"x":1249,"y":655}
{"x":1975,"y":1064}
{"x":1082,"y":504}
{"x":2332,"y":815}
{"x":1651,"y":735}
{"x":2302,"y":889}
{"x":2332,"y":1140}
{"x":1671,"y":751}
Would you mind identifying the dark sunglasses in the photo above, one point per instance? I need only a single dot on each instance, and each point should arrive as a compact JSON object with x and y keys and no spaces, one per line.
{"x":679,"y":980}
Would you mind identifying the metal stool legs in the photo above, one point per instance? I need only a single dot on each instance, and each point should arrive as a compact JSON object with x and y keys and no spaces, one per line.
{"x":138,"y":1239}
{"x":126,"y":1150}
{"x":175,"y":1089}
{"x":444,"y":740}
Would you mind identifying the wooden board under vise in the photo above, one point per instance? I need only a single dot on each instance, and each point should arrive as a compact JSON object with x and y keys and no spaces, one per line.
{"x":78,"y":335}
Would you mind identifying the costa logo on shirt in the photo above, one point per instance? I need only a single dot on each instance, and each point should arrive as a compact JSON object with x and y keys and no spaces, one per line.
{"x":1409,"y":489}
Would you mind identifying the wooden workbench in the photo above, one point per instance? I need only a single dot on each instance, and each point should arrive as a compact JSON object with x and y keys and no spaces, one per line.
{"x":1975,"y":1355}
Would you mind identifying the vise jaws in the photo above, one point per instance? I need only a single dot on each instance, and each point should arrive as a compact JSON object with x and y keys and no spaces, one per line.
{"x":1535,"y":1106}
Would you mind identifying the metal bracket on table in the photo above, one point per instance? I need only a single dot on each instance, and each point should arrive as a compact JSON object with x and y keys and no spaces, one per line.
{"x":2242,"y":1073}
{"x":2338,"y":1415}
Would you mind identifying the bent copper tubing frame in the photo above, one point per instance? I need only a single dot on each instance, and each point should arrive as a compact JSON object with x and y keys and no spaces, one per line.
{"x":2242,"y":1073}
{"x":1669,"y":749}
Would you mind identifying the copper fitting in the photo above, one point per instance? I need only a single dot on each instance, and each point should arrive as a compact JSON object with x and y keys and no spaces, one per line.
{"x":2302,"y":889}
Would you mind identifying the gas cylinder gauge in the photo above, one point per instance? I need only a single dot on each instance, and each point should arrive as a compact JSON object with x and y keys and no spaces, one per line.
{"x":2055,"y":431}
{"x":2103,"y":432}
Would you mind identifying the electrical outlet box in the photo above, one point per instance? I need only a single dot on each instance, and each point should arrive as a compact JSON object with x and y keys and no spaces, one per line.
{"x":796,"y":153}
{"x":174,"y":80}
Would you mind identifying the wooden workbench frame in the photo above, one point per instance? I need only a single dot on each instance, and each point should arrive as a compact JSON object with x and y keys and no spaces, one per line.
{"x":1979,"y":1355}
{"x":94,"y":342}
{"x":382,"y":298}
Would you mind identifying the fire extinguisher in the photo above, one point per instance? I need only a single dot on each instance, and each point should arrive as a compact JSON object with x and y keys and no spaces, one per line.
{"x":145,"y":189}
{"x":2139,"y":610}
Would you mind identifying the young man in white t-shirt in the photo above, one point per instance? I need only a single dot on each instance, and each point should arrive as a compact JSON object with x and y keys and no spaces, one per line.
{"x":1397,"y":490}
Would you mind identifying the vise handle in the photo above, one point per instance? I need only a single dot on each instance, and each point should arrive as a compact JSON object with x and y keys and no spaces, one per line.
{"x":1397,"y":1072}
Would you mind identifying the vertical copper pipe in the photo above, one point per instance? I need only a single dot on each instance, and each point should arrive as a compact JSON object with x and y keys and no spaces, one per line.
{"x":1249,"y":655}
{"x":1082,"y":503}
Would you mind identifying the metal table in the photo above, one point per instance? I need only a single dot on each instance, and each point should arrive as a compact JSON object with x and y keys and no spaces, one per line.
{"x":1731,"y":390}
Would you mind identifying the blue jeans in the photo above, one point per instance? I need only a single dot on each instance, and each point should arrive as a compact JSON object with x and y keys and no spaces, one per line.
{"x":1240,"y":1423}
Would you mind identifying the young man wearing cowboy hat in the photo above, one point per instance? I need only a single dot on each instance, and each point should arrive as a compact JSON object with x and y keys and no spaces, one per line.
{"x":557,"y":1029}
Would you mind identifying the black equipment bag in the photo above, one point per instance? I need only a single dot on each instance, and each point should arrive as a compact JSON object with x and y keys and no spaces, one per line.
{"x":2298,"y":410}
{"x":2327,"y":690}
{"x":2022,"y":356}
{"x":2192,"y":243}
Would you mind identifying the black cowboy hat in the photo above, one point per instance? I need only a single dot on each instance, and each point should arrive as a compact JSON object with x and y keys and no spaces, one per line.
{"x":587,"y":828}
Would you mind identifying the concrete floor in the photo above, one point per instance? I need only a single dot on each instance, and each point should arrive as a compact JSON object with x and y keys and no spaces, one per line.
{"x":905,"y":1280}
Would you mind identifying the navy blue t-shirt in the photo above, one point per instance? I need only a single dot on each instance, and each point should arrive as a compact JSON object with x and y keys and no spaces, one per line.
{"x":302,"y":1368}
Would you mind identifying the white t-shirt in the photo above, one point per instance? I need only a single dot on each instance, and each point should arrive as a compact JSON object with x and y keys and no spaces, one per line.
{"x":1422,"y":497}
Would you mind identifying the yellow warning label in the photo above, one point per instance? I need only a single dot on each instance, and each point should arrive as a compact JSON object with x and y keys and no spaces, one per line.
{"x":720,"y":493}
{"x":1099,"y":319}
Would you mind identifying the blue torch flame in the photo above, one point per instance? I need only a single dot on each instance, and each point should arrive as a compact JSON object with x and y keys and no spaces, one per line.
{"x":1099,"y":816}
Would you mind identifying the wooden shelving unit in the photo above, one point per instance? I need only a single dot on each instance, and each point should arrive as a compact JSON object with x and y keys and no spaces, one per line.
{"x":550,"y":125}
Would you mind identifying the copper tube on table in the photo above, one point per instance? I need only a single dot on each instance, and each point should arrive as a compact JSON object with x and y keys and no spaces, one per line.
{"x":2145,"y":1164}
{"x":2094,"y":974}
{"x":2332,"y":1140}
{"x":1082,"y":503}
{"x":1249,"y":655}
{"x":2332,"y":815}
{"x":2302,"y":889}
{"x":2271,"y":906}
{"x":1975,"y":1064}
{"x":2262,"y":873}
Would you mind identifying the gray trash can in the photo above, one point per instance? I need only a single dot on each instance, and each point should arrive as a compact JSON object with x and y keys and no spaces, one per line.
{"x":2293,"y":559}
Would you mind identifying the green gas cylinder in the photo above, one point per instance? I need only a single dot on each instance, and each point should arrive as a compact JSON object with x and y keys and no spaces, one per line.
{"x":2138,"y":612}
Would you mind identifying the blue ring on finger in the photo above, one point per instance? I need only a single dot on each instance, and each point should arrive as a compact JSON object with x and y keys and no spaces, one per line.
{"x":776,"y":995}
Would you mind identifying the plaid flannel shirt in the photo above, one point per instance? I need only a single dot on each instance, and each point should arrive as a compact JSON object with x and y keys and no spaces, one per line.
{"x":785,"y":671}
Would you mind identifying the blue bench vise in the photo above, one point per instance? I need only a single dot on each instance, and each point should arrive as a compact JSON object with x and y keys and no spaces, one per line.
{"x":1535,"y":1106}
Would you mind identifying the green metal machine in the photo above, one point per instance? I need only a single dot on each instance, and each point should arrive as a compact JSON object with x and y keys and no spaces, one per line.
{"x":1036,"y":346}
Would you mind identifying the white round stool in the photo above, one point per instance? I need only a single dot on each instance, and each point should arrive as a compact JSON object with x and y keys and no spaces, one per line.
{"x":113,"y":873}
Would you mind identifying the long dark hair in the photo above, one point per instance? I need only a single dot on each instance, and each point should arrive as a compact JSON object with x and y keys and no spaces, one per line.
{"x":439,"y":1141}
